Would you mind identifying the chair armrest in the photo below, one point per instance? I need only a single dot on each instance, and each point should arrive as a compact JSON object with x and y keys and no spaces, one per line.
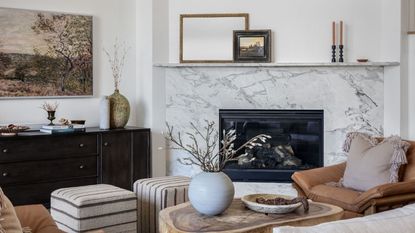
{"x":387,"y":190}
{"x":37,"y":218}
{"x":310,"y":178}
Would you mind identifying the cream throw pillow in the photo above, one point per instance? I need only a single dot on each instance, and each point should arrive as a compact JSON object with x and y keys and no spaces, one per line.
{"x":9,"y":223}
{"x":371,"y":163}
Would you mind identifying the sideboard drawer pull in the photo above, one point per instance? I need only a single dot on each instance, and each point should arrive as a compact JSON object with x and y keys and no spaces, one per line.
{"x":5,"y":174}
{"x":81,"y":145}
{"x":5,"y":150}
{"x":82,"y":166}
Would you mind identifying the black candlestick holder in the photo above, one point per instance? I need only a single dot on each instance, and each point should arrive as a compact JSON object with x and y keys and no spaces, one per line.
{"x":341,"y":53}
{"x":333,"y":53}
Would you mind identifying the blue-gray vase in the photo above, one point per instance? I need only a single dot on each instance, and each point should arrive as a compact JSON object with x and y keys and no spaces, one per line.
{"x":211,"y":193}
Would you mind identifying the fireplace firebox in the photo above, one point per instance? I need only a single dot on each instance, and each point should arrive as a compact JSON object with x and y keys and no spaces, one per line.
{"x":296,"y":143}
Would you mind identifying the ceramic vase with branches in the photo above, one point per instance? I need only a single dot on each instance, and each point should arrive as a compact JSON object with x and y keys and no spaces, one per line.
{"x":119,"y":105}
{"x":210,"y":192}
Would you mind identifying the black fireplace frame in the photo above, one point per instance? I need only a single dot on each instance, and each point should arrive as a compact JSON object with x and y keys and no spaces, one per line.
{"x":269,"y":175}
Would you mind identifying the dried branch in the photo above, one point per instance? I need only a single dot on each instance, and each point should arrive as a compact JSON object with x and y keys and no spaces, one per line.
{"x":117,"y":60}
{"x":205,"y":156}
{"x":48,"y":107}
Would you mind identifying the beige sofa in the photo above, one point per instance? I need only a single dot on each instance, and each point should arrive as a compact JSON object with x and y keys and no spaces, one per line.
{"x":400,"y":220}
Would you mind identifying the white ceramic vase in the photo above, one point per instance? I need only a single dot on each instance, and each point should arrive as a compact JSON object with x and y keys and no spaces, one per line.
{"x":104,"y":113}
{"x":211,"y":193}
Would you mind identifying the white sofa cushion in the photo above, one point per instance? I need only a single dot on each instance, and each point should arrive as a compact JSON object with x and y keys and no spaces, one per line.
{"x":401,"y":220}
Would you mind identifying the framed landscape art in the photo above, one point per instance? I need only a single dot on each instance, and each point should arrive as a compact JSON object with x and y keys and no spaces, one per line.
{"x":252,"y":46}
{"x":45,"y":54}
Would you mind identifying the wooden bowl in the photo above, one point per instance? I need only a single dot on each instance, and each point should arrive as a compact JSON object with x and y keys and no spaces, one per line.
{"x":250,"y":202}
{"x":362,"y":60}
{"x":12,"y":130}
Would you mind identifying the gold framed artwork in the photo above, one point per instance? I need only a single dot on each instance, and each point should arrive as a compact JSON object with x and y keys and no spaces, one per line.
{"x":45,"y":54}
{"x":207,"y":38}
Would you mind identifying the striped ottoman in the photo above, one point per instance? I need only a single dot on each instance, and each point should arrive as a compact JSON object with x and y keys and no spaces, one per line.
{"x":93,"y":207}
{"x":155,"y":194}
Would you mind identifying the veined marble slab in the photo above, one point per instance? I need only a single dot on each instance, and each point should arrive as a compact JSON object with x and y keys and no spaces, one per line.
{"x":351,"y":97}
{"x":287,"y":64}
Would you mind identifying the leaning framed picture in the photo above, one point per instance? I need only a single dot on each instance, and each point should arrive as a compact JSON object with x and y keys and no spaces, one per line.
{"x":252,"y":46}
{"x":45,"y":54}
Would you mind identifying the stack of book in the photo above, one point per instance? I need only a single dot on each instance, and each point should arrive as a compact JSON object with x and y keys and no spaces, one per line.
{"x":58,"y":129}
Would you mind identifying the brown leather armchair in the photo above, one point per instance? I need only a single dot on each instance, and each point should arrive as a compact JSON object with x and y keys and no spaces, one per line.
{"x":37,"y":218}
{"x":316,"y":184}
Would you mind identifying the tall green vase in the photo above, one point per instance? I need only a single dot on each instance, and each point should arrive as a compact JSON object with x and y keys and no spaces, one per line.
{"x":119,"y":110}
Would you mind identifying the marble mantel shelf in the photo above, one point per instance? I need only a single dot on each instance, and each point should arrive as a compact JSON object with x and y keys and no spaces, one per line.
{"x":316,"y":64}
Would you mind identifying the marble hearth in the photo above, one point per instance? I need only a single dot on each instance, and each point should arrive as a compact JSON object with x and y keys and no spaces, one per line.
{"x":351,"y":95}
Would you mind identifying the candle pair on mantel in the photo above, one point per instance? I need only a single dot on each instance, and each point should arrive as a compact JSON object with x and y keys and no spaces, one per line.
{"x":333,"y":47}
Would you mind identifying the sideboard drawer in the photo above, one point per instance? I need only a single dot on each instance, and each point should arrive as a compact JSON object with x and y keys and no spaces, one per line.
{"x":33,"y":164}
{"x":47,"y":147}
{"x":50,"y":170}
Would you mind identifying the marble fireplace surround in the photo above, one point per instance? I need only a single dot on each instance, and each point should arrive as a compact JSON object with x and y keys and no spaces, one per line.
{"x":351,"y":95}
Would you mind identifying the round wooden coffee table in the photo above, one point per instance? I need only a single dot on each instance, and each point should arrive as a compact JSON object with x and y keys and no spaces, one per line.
{"x":183,"y":218}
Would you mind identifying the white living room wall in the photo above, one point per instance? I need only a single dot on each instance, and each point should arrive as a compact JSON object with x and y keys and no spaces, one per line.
{"x":152,"y":46}
{"x":302,"y":29}
{"x":112,"y":19}
{"x":411,"y":86}
{"x":302,"y":33}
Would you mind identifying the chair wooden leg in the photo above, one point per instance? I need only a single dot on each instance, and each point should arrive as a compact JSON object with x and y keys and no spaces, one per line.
{"x":299,"y":190}
{"x":370,"y":210}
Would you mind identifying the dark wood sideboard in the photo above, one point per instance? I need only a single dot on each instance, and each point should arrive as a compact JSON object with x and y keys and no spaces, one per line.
{"x":34,"y":164}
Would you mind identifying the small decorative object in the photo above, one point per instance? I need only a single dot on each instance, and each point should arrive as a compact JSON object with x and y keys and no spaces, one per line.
{"x":51,"y":117}
{"x":78,"y":122}
{"x":341,"y":43}
{"x":45,"y":54}
{"x":104,"y":113}
{"x":252,"y":46}
{"x":341,"y":53}
{"x":12,"y":130}
{"x":64,"y":121}
{"x":50,"y":108}
{"x":210,"y":192}
{"x":274,"y":204}
{"x":362,"y":60}
{"x":64,"y":126}
{"x":119,"y":105}
{"x":333,"y":46}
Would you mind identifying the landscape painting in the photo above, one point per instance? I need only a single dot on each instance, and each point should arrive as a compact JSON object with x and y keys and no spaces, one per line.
{"x":45,"y":54}
{"x":252,"y":46}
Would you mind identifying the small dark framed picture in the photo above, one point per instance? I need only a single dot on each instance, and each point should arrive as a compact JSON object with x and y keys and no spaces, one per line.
{"x":252,"y":46}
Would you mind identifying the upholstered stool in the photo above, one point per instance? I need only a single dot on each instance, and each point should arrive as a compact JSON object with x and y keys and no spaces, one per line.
{"x":94,"y":207}
{"x":155,"y":194}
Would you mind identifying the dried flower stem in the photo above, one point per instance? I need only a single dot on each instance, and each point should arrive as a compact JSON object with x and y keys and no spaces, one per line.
{"x":205,"y":157}
{"x":48,"y":107}
{"x":117,"y":60}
